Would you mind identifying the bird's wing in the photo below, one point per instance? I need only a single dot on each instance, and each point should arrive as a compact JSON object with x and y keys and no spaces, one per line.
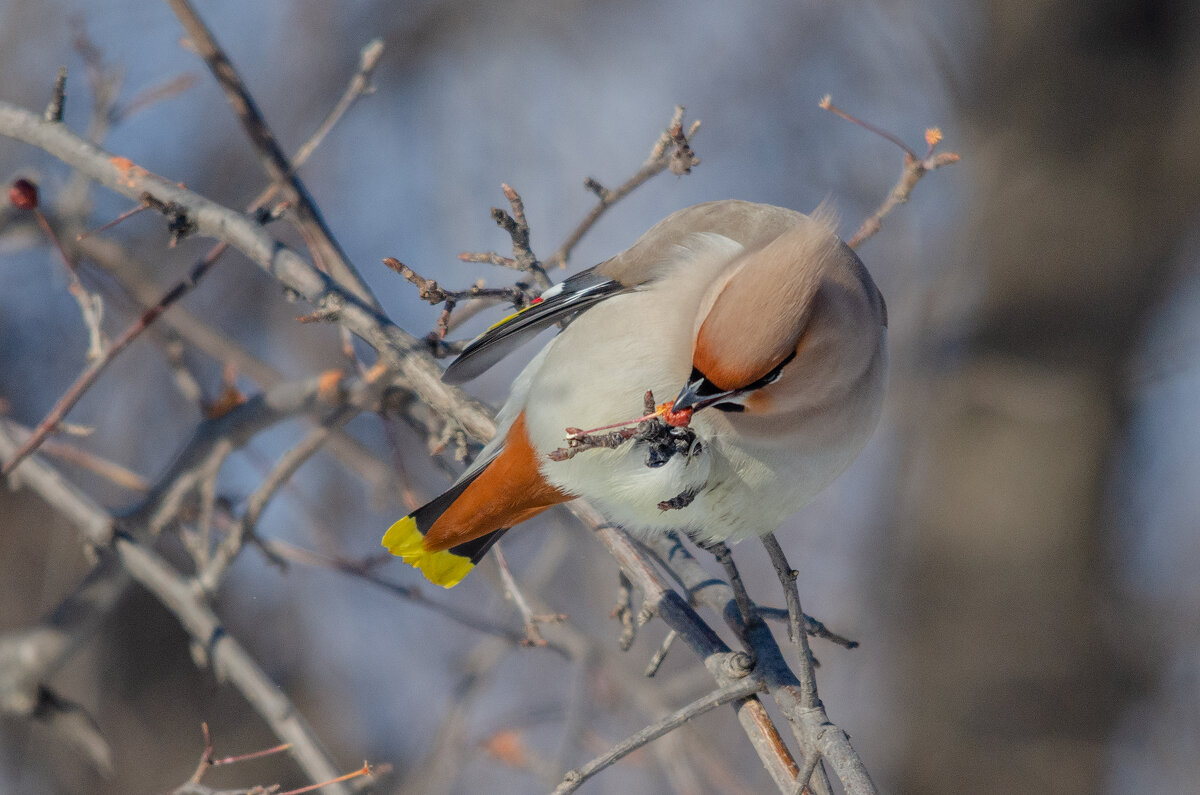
{"x":748,"y":224}
{"x":560,"y":302}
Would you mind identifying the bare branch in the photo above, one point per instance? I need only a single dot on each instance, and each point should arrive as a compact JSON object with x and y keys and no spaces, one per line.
{"x":165,"y":90}
{"x":210,"y":577}
{"x":659,"y":656}
{"x":517,"y":227}
{"x":825,"y":739}
{"x":914,"y":168}
{"x":672,"y":151}
{"x":360,"y":85}
{"x":93,"y":371}
{"x":24,"y":195}
{"x":406,"y":355}
{"x":275,"y":162}
{"x":730,"y":692}
{"x":230,"y":660}
{"x":364,"y":570}
{"x":533,"y":635}
{"x":720,"y":550}
{"x":58,"y":97}
{"x":724,"y":665}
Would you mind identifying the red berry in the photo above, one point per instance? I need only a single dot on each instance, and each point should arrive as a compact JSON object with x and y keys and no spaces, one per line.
{"x":23,"y":194}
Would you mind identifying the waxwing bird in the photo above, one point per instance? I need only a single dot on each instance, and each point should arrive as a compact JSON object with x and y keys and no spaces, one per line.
{"x":765,"y":328}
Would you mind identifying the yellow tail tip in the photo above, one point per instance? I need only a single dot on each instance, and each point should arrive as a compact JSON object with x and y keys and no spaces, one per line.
{"x":444,"y":568}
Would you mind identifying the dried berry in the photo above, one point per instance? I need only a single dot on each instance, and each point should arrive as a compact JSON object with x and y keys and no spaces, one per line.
{"x":23,"y":194}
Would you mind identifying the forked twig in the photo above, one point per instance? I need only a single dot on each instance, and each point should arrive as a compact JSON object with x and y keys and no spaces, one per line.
{"x":317,"y":234}
{"x":672,"y":151}
{"x":915,"y":167}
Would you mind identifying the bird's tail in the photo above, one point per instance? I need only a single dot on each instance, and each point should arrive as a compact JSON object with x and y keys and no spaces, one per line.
{"x":405,"y":539}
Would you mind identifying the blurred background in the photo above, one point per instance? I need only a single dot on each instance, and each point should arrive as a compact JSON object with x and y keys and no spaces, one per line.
{"x":1016,"y":549}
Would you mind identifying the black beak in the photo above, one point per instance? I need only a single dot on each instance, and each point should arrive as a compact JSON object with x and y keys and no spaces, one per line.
{"x":700,"y":393}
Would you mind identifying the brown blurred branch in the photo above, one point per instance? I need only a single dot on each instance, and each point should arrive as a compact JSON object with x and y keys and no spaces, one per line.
{"x":93,"y":371}
{"x":317,"y":235}
{"x":229,"y":659}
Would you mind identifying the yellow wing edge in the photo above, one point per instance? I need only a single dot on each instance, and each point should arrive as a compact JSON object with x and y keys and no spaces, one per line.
{"x":516,"y":314}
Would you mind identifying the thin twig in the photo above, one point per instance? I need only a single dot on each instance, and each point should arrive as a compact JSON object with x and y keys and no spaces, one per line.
{"x":434,"y":293}
{"x":210,"y":576}
{"x":93,"y":371}
{"x":360,"y":85}
{"x":672,"y":151}
{"x":24,"y":195}
{"x":318,"y":236}
{"x":723,"y":664}
{"x":517,"y":227}
{"x":365,"y":770}
{"x":533,"y":635}
{"x":915,"y":167}
{"x":720,"y":550}
{"x":815,"y":628}
{"x":165,"y":90}
{"x":365,"y":572}
{"x":730,"y":692}
{"x":109,"y":470}
{"x":659,"y":656}
{"x":824,"y":739}
{"x":58,"y":97}
{"x":104,"y":227}
{"x":796,"y":633}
